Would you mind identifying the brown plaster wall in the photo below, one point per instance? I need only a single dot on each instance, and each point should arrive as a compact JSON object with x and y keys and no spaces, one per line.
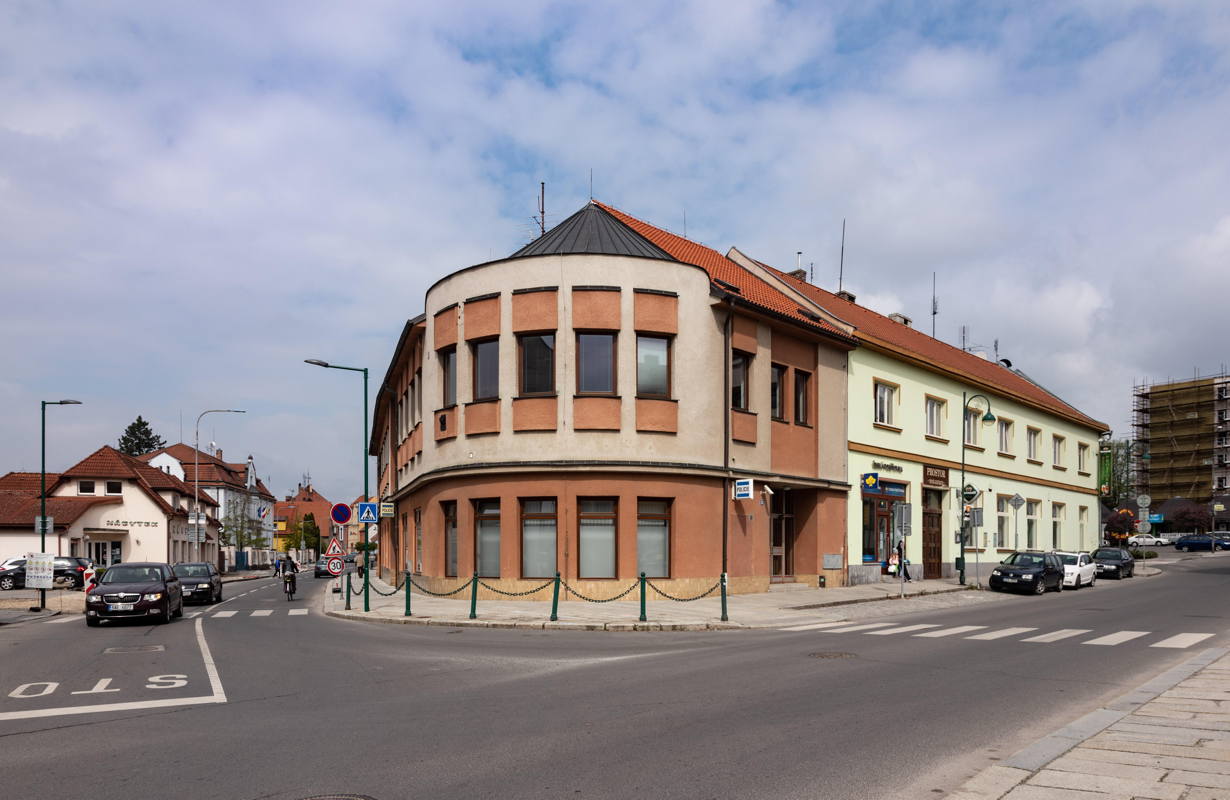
{"x":534,"y":413}
{"x":445,"y":328}
{"x":742,"y":426}
{"x":482,"y":318}
{"x":657,"y":415}
{"x":446,"y":423}
{"x":743,"y":335}
{"x":596,"y":413}
{"x":655,"y":313}
{"x":595,"y":310}
{"x":483,"y":417}
{"x":536,"y":311}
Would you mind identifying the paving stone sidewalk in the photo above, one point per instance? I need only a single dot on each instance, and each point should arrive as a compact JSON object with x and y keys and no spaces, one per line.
{"x":1168,"y":739}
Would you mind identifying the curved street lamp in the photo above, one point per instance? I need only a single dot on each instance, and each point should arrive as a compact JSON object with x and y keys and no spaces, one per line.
{"x":987,"y":419}
{"x":42,"y":487}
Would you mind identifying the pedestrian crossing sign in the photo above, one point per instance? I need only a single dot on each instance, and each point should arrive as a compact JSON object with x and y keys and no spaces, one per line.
{"x":367,"y":512}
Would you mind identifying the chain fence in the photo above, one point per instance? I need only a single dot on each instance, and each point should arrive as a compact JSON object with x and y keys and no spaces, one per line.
{"x":705,"y":593}
{"x":491,"y":588}
{"x":425,"y":590}
{"x":619,"y":596}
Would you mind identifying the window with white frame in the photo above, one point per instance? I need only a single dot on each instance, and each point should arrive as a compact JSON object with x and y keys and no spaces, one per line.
{"x":1032,"y":508}
{"x":1057,"y":443}
{"x":935,"y":417}
{"x":1082,"y":522}
{"x":886,"y":398}
{"x":1005,"y":435}
{"x":1057,"y":515}
{"x":85,"y":487}
{"x":1082,"y":457}
{"x":115,"y":487}
{"x":1001,"y":520}
{"x":973,"y":421}
{"x":1033,"y":441}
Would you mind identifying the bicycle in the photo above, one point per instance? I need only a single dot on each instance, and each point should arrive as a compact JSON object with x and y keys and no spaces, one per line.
{"x":288,"y":585}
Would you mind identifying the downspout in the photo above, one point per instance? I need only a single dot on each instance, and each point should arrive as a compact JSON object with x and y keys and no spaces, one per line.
{"x":726,"y":336}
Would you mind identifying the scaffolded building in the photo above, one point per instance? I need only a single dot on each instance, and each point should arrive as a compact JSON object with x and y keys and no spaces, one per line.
{"x":1182,"y":430}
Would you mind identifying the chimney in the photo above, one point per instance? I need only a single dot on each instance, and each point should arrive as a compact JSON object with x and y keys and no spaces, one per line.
{"x":801,"y":274}
{"x":902,"y":318}
{"x":844,"y":295}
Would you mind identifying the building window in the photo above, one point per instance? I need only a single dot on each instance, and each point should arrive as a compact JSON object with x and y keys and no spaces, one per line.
{"x":596,"y":531}
{"x":1001,"y":521}
{"x":740,"y":369}
{"x":935,"y":417}
{"x":1057,"y":450}
{"x":538,"y":538}
{"x":448,"y":375}
{"x":653,"y":376}
{"x":487,"y":369}
{"x":1032,"y":508}
{"x":653,"y":538}
{"x":1082,"y":521}
{"x":1057,"y":512}
{"x":418,"y":540}
{"x":1221,"y":482}
{"x":1005,"y":436}
{"x":973,"y":422}
{"x":886,"y":397}
{"x":537,"y":363}
{"x":115,"y":487}
{"x":596,"y":363}
{"x":777,"y":392}
{"x":1033,"y":441}
{"x":802,"y":397}
{"x":487,"y":537}
{"x":450,"y":537}
{"x":1082,"y":457}
{"x":85,"y":487}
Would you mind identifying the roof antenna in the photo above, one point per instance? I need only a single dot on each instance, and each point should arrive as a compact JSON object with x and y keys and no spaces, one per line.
{"x":935,"y":305}
{"x":996,"y":346}
{"x":811,"y":277}
{"x":841,"y":265}
{"x":964,"y":334}
{"x":685,"y":223}
{"x":591,"y":184}
{"x":542,"y":207}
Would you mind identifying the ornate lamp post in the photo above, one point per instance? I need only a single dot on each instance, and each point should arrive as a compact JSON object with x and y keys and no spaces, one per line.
{"x":987,"y":419}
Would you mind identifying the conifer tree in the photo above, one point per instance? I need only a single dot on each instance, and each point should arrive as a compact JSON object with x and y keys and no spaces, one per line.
{"x":139,"y":438}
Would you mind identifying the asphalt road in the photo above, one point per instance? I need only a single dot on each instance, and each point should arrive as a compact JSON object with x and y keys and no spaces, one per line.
{"x":302,"y":705}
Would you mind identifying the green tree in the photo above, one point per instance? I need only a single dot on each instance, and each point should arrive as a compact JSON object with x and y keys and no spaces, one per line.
{"x":1116,"y":475}
{"x":292,"y":537}
{"x":311,"y":533}
{"x":139,"y":438}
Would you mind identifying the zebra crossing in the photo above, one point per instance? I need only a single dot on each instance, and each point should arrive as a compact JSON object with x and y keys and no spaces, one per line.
{"x":260,"y":612}
{"x":984,"y":633}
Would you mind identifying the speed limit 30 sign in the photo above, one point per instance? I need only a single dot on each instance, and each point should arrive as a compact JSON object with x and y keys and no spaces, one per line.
{"x":335,"y":566}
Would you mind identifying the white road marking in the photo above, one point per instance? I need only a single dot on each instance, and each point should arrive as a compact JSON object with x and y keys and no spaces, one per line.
{"x":864,"y":627}
{"x":1182,"y":640}
{"x":218,"y":695}
{"x":1001,"y":634}
{"x":191,"y":614}
{"x":262,"y":613}
{"x":1118,"y":638}
{"x":1055,"y":636}
{"x":224,"y":614}
{"x":816,"y":626}
{"x":950,"y":631}
{"x":905,"y":629}
{"x":297,"y":612}
{"x":60,"y":619}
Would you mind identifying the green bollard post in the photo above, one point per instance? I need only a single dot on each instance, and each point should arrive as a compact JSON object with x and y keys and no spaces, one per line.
{"x":474,"y":597}
{"x":347,"y":591}
{"x":643,"y":618}
{"x":725,"y":618}
{"x":408,"y":594}
{"x":555,"y":600}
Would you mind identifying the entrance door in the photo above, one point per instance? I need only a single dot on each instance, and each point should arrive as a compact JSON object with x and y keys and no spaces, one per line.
{"x":781,"y":537}
{"x":884,"y":536}
{"x":933,"y":541}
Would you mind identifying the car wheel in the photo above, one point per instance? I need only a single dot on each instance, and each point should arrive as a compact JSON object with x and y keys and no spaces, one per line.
{"x":1039,"y":586}
{"x":218,"y":596}
{"x":1092,"y":580}
{"x":92,"y":622}
{"x":7,"y":582}
{"x":179,"y":612}
{"x":1059,"y":584}
{"x":1076,"y":584}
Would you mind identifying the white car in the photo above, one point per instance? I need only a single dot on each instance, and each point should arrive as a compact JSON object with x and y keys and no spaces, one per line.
{"x":1078,"y":569}
{"x":1147,"y":540}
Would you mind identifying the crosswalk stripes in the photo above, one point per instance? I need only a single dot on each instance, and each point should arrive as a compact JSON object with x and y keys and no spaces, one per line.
{"x":950,"y":631}
{"x":1003,"y":633}
{"x":1178,"y":641}
{"x":864,"y":627}
{"x":1117,"y":638}
{"x":265,"y":612}
{"x":905,"y":629}
{"x":297,"y":612}
{"x":1182,"y":640}
{"x":1055,"y":636}
{"x":223,"y":614}
{"x":815,"y":626}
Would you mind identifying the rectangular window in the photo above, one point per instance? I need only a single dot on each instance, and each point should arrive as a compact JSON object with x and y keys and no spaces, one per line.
{"x":1005,"y":435}
{"x":777,"y":391}
{"x":1032,"y":508}
{"x":596,"y":531}
{"x":740,"y":369}
{"x":1082,"y":457}
{"x":973,"y":421}
{"x":653,"y":376}
{"x":653,"y":538}
{"x":802,"y":397}
{"x":448,"y":375}
{"x":596,"y":363}
{"x":886,"y":398}
{"x":1056,"y":525}
{"x":1082,"y":521}
{"x":537,"y":363}
{"x":487,"y":537}
{"x":1001,"y":521}
{"x":1033,"y":439}
{"x":85,"y":487}
{"x":1057,"y":450}
{"x":487,"y":369}
{"x":450,"y":537}
{"x":935,"y":417}
{"x":418,"y":540}
{"x":115,"y":487}
{"x":538,"y":538}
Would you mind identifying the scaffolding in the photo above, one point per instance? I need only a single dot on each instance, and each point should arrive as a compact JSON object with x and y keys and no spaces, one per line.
{"x":1182,"y":438}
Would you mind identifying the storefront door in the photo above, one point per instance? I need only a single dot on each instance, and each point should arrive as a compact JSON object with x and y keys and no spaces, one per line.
{"x":781,"y":537}
{"x":933,"y":541}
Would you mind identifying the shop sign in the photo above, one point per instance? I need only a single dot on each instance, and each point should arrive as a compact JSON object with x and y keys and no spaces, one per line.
{"x":884,"y":466}
{"x":129,"y":523}
{"x":892,"y":489}
{"x":935,"y":476}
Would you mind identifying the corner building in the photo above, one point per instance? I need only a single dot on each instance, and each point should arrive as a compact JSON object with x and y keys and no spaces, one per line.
{"x":584,"y":406}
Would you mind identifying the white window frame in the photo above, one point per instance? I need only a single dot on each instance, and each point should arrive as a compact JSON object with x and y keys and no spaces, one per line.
{"x":885,"y":398}
{"x":1082,"y":457}
{"x":1033,"y":438}
{"x":934,"y":410}
{"x":1057,"y":449}
{"x":1004,"y":429}
{"x":972,"y":424}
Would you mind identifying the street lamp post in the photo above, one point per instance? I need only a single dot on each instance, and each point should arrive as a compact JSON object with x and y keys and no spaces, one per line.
{"x":367,"y":567}
{"x":988,"y":417}
{"x":197,"y":535}
{"x":42,"y":484}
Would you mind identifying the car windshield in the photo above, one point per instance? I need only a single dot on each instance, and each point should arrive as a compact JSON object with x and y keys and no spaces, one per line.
{"x":1110,"y":554}
{"x":1068,"y":558}
{"x":1024,"y":560}
{"x":127,"y":574}
{"x":192,"y":570}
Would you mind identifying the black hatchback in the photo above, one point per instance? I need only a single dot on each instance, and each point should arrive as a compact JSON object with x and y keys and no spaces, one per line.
{"x":1114,"y":562}
{"x":1028,"y":571}
{"x":199,"y":581}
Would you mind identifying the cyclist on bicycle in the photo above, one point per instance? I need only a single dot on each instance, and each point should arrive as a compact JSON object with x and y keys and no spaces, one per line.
{"x":289,"y":568}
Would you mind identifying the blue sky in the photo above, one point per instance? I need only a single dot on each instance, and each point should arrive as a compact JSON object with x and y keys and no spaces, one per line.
{"x":196,"y":198}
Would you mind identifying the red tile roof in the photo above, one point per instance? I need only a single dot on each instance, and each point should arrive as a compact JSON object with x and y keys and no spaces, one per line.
{"x":877,"y":329}
{"x":18,"y":510}
{"x":26,"y":481}
{"x":751,"y":288}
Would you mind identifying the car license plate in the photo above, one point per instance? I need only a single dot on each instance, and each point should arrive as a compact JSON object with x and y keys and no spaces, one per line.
{"x":119,"y":607}
{"x":1010,"y":580}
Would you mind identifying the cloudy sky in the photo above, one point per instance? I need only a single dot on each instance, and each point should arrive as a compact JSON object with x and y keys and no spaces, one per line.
{"x":196,"y":197}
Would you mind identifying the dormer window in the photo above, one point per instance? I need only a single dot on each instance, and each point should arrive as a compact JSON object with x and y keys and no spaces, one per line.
{"x":115,"y":487}
{"x":85,"y":487}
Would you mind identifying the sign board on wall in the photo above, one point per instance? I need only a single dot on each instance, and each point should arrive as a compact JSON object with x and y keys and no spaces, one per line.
{"x":743,"y":489}
{"x":935,"y":476}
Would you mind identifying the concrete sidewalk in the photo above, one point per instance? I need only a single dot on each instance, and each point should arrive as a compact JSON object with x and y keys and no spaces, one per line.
{"x":1168,"y":739}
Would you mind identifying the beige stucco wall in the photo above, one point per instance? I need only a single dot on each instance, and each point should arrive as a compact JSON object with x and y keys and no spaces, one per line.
{"x":138,"y":522}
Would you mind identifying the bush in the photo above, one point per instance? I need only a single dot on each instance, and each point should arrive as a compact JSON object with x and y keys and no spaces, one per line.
{"x":1141,"y":555}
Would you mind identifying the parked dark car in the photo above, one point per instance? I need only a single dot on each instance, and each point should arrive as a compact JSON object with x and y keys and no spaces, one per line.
{"x":199,"y":581}
{"x":68,"y":570}
{"x":1028,"y":571}
{"x":322,"y":569}
{"x":1114,"y":562}
{"x":1200,"y":541}
{"x":133,"y":591}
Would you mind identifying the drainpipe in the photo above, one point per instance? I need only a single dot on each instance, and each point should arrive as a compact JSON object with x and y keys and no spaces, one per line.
{"x":726,"y":333}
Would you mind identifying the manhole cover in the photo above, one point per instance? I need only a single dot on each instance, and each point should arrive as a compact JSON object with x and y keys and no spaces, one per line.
{"x":144,"y":648}
{"x":830,"y":655}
